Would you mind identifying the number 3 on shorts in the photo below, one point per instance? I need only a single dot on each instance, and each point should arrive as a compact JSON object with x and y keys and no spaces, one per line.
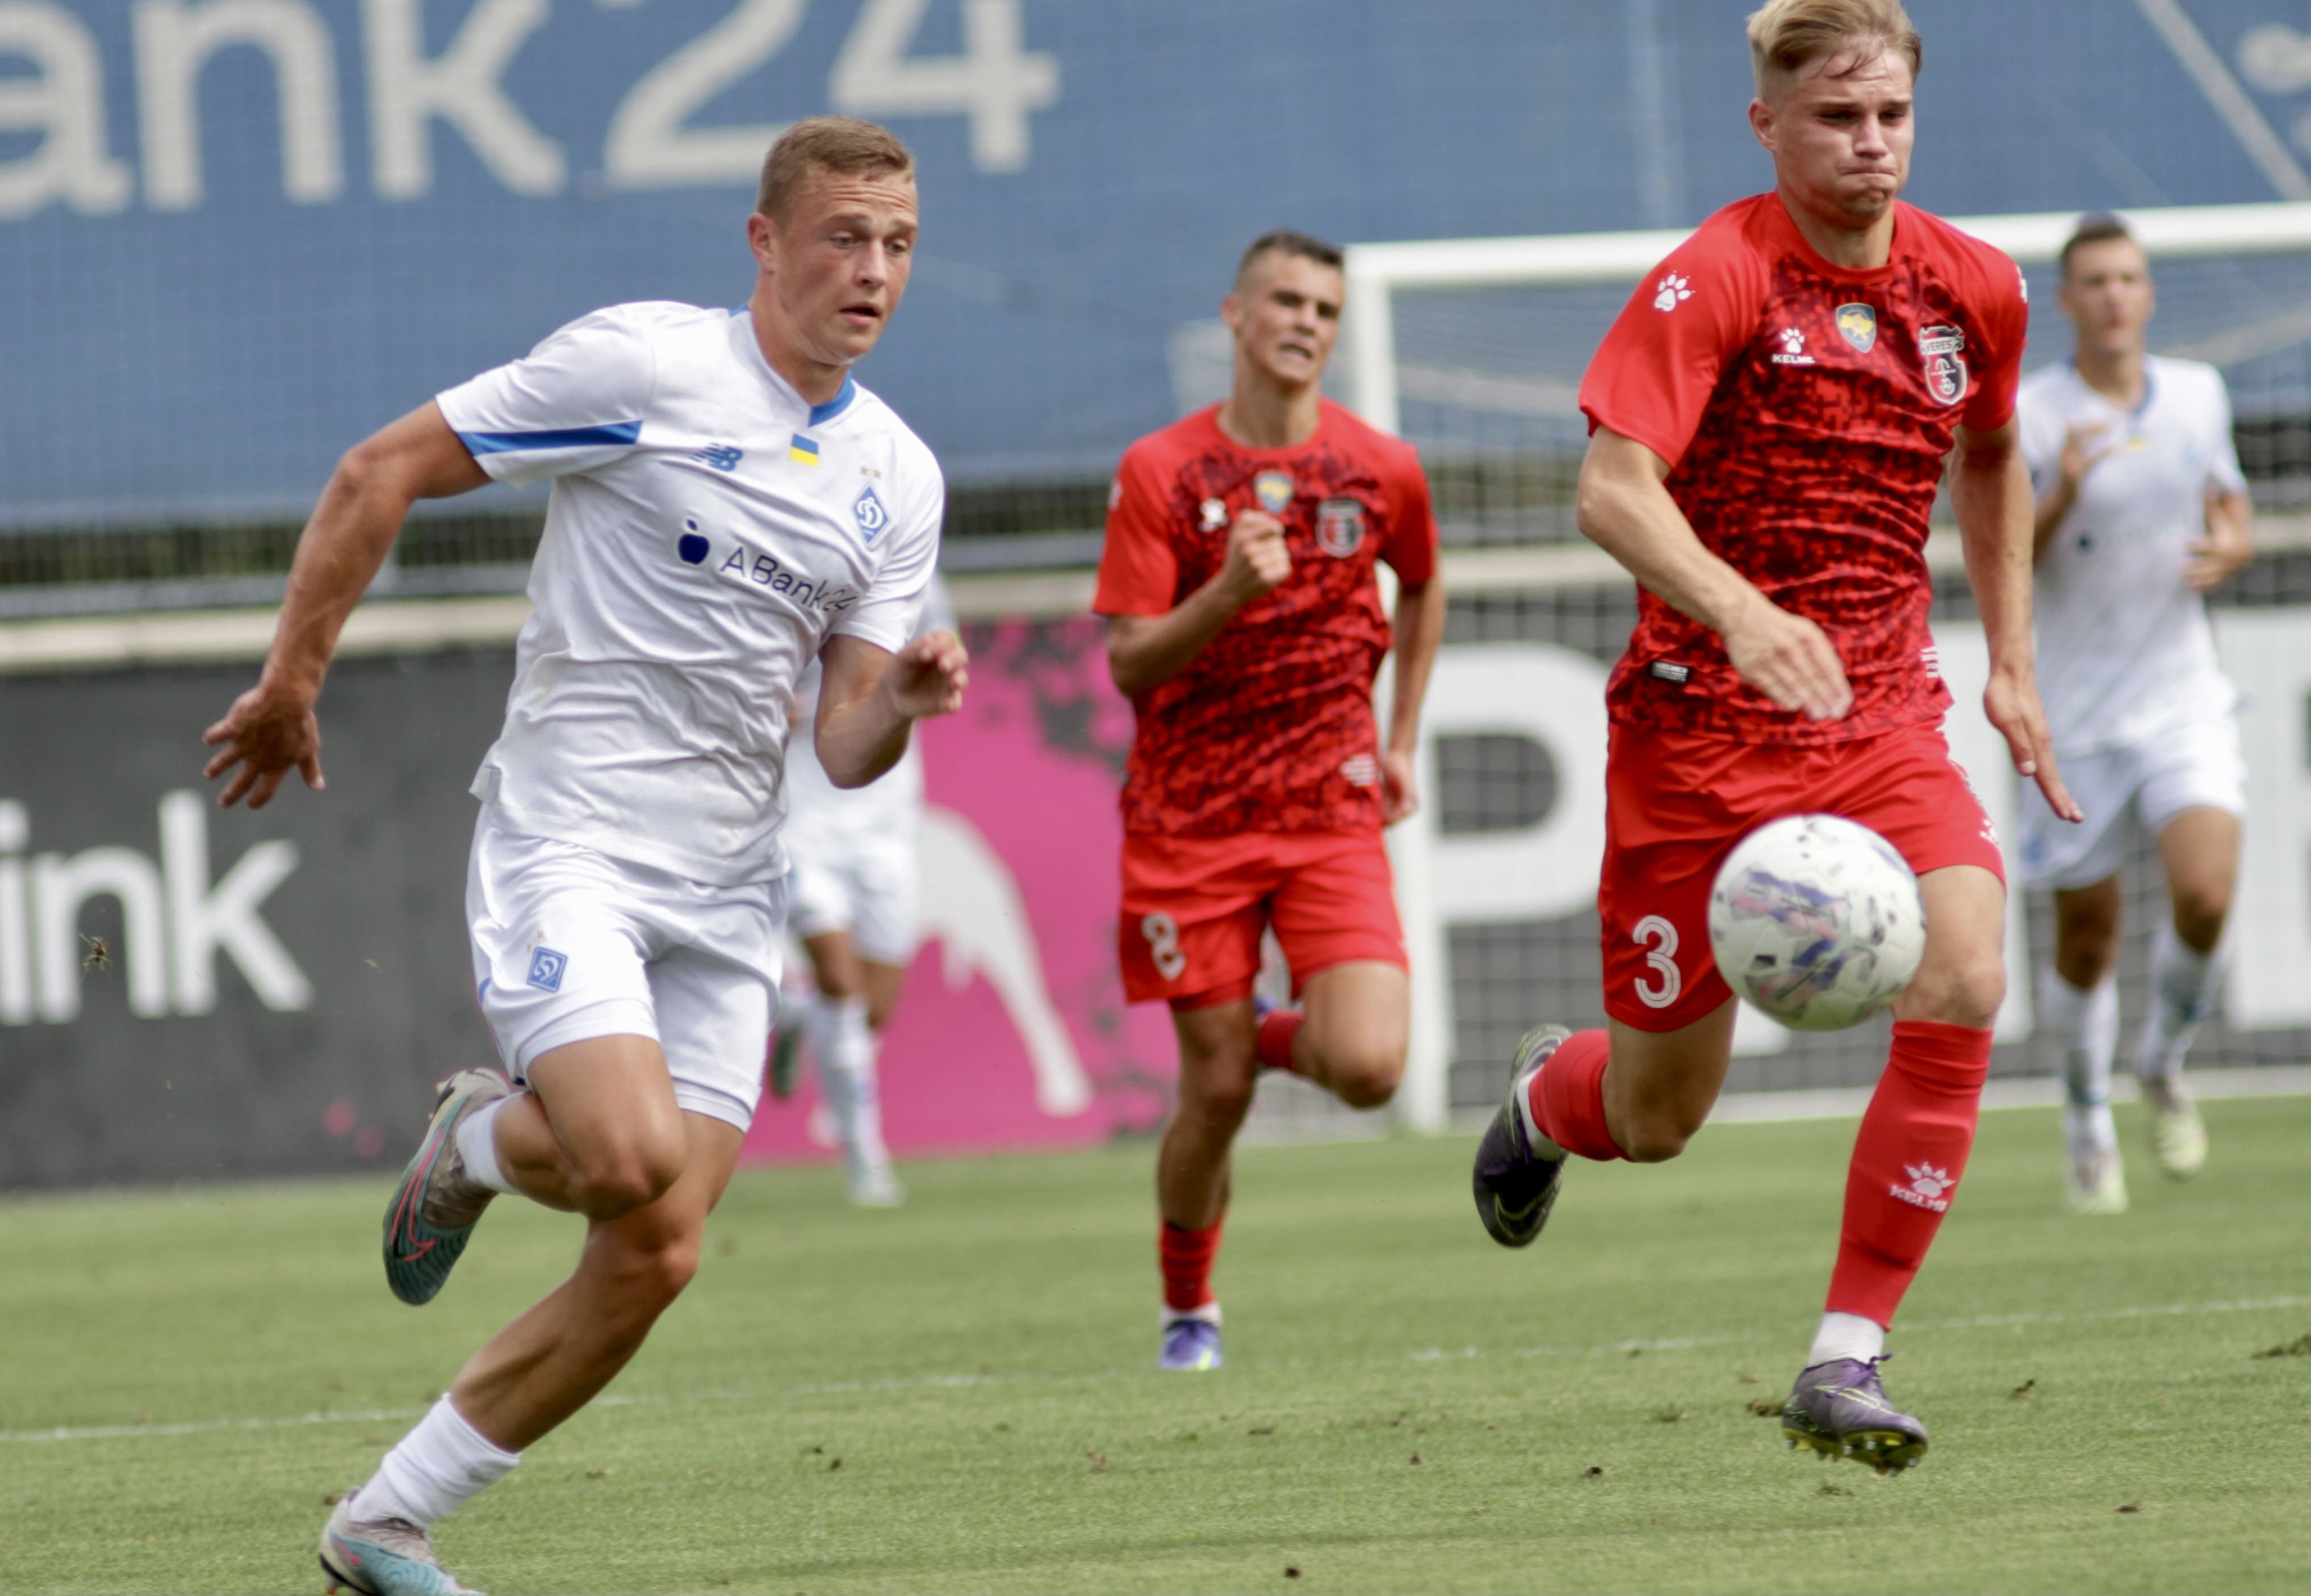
{"x":1662,"y":958}
{"x":1163,"y":934}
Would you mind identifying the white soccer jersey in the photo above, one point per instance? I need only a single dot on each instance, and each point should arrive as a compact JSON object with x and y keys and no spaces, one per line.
{"x":2125,"y":652}
{"x":708,"y":529}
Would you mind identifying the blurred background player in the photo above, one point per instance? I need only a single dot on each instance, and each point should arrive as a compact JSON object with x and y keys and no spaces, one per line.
{"x":1246,"y":624}
{"x":1771,"y":415}
{"x":2141,"y":511}
{"x":726,"y":505}
{"x":851,"y":901}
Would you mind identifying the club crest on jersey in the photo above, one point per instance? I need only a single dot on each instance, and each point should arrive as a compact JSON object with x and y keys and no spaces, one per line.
{"x":1939,"y":351}
{"x":1859,"y":324}
{"x":1340,"y":526}
{"x":1273,"y":489}
{"x":872,"y":517}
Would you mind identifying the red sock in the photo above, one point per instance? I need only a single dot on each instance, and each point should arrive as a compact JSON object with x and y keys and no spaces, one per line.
{"x":1906,"y":1163}
{"x":1568,"y":1096}
{"x":1185,"y":1257}
{"x":1272,"y":1043}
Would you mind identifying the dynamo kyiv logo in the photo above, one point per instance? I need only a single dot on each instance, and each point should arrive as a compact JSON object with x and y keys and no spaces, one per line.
{"x":872,"y":517}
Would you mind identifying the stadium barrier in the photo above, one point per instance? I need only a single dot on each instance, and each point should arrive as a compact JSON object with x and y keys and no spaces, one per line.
{"x":280,"y":988}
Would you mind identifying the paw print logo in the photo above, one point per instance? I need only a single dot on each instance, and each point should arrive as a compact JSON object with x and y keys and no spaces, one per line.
{"x":1927,"y":1181}
{"x":1672,"y":290}
{"x":1792,"y":341}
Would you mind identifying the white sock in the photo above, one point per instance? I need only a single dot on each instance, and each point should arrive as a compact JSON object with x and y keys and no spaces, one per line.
{"x":439,"y":1467}
{"x":1210,"y":1313}
{"x":1847,"y":1335}
{"x":2183,"y":985}
{"x":2087,"y":1025}
{"x":844,"y":1045}
{"x":477,"y":1145}
{"x":1534,"y":1136}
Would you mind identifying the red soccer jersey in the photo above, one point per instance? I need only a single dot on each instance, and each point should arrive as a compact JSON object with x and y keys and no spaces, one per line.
{"x":1806,"y":412}
{"x":1270,"y":727}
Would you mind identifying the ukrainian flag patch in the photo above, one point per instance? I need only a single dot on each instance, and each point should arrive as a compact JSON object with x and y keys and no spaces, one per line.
{"x":802,"y":450}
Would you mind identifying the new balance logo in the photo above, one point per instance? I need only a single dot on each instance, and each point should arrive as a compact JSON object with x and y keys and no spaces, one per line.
{"x":720,"y":455}
{"x":1925,"y":1189}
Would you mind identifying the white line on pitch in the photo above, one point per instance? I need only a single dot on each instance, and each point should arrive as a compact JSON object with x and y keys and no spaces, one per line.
{"x":933,"y":1382}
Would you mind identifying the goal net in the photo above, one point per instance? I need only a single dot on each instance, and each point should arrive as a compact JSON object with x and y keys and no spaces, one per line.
{"x":1474,"y":351}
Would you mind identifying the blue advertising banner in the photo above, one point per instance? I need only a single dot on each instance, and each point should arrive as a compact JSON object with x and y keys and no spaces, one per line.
{"x":236,"y":235}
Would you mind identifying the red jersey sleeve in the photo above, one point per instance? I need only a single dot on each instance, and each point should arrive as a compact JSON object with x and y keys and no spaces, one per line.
{"x":1138,"y":575}
{"x":1410,"y":550}
{"x":2005,"y":315}
{"x":1653,"y":376}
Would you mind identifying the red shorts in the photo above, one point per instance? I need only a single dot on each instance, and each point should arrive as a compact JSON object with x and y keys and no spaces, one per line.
{"x":1194,"y":907}
{"x":1676,"y":803}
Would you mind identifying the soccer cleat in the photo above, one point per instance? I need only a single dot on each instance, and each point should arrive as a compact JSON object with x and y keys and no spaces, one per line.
{"x":1839,"y":1410}
{"x":436,"y":1206}
{"x":1190,"y":1344}
{"x":382,"y":1557}
{"x":2178,"y":1137}
{"x":872,"y":1185}
{"x":2097,"y":1183}
{"x":786,"y":1061}
{"x":1515,"y":1186}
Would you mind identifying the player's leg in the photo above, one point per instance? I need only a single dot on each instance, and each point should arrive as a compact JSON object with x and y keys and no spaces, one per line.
{"x":545,"y":1366}
{"x":1334,"y":912}
{"x":2199,"y":848}
{"x":2078,"y":1002}
{"x":842,"y":1034}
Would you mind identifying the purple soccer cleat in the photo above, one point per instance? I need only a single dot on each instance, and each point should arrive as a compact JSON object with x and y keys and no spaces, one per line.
{"x":1190,"y":1344}
{"x":1839,"y":1410}
{"x":1515,"y":1187}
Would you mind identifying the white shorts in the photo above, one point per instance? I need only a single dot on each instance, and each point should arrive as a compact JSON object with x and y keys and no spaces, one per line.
{"x":570,"y":944}
{"x":865,"y":887}
{"x":2129,"y":793}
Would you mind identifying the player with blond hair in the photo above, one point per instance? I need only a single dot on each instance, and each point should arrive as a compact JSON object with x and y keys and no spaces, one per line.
{"x":728,"y":505}
{"x":1771,"y":416}
{"x":1245,"y":624}
{"x":2141,"y":511}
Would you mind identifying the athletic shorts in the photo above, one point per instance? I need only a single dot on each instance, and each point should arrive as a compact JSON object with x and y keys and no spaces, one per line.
{"x":865,"y":887}
{"x":1194,"y":908}
{"x":570,"y":944}
{"x":2130,"y":792}
{"x":1676,"y":803}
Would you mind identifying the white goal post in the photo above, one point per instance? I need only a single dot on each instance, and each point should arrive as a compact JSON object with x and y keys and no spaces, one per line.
{"x":1378,"y":272}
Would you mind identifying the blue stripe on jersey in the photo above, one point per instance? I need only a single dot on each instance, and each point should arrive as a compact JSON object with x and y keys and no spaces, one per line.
{"x":822,"y":414}
{"x":494,"y":443}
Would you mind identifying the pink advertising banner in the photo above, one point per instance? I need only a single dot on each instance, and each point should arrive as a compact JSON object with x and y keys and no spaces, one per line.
{"x":1012,"y":1031}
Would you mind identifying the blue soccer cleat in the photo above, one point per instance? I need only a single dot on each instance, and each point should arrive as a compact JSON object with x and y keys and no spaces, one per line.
{"x":382,"y":1558}
{"x":1190,"y":1344}
{"x":1516,"y":1186}
{"x":1839,"y":1410}
{"x":437,"y":1205}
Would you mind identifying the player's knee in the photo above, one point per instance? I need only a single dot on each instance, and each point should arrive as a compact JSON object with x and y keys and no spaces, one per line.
{"x":651,"y":1273}
{"x":616,"y":1181}
{"x":1657,"y":1135}
{"x":1363,"y":1075}
{"x":1219,"y":1104}
{"x":1964,"y":991}
{"x":2200,"y":911}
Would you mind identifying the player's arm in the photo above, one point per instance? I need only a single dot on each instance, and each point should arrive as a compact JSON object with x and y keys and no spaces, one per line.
{"x":1624,"y":506}
{"x":870,"y":700}
{"x":1419,"y":628}
{"x":271,"y":727}
{"x":1990,"y":489}
{"x":2081,"y":448}
{"x":2229,"y":545}
{"x":1146,"y":652}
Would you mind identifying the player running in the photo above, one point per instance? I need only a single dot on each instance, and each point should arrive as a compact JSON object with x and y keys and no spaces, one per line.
{"x":1246,"y":624}
{"x":2141,"y":510}
{"x":851,"y":903}
{"x":1770,"y":417}
{"x":726,"y":505}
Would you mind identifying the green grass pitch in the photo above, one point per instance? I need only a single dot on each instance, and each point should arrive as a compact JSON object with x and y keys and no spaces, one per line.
{"x":960,"y":1396}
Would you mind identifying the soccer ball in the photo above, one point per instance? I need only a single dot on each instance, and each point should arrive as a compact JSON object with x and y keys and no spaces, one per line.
{"x":1816,"y":920}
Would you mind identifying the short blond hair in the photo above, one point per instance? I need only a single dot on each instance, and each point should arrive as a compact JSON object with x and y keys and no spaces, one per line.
{"x":1787,"y":36}
{"x":842,"y":144}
